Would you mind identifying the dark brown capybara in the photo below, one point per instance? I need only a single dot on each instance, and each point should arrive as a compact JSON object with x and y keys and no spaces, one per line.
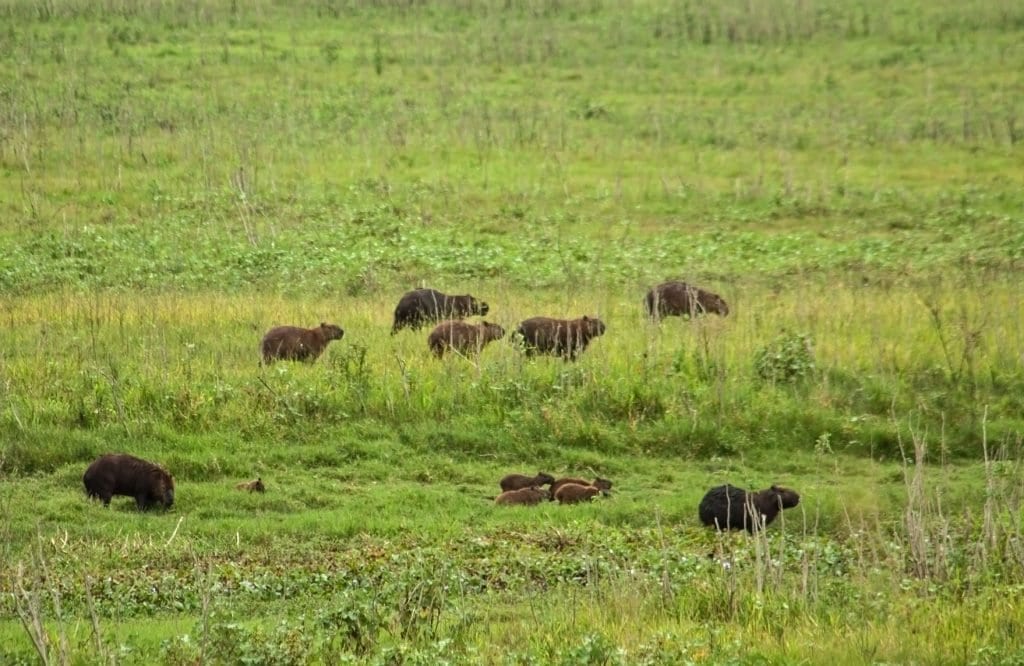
{"x":122,"y":474}
{"x":574,"y":493}
{"x":293,"y":343}
{"x":463,"y":337}
{"x":424,"y":306}
{"x":681,"y":299}
{"x":604,"y":485}
{"x":728,"y":507}
{"x":522,"y":496}
{"x":517,"y":481}
{"x":254,"y":486}
{"x":567,"y":338}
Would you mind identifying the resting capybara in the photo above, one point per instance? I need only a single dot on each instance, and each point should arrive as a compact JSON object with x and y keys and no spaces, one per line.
{"x":679,"y":298}
{"x":562,"y":337}
{"x":726,"y":507}
{"x":121,"y":474}
{"x":255,"y":486}
{"x":604,"y":485}
{"x":462,"y":337}
{"x":423,"y":306}
{"x":517,"y":481}
{"x":573,"y":493}
{"x":293,"y":343}
{"x":522,"y":496}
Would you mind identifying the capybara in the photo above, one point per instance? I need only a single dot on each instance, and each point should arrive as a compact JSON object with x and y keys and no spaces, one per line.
{"x":681,"y":299}
{"x":255,"y":486}
{"x":604,"y":485}
{"x":562,"y":337}
{"x":573,"y":493}
{"x":726,"y":507}
{"x":423,"y":306}
{"x":522,"y":496}
{"x":121,"y":474}
{"x":293,"y":343}
{"x":517,"y":481}
{"x":462,"y":337}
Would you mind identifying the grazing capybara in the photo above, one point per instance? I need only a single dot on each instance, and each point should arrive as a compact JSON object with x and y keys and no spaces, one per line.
{"x":463,"y":337}
{"x":522,"y":496}
{"x":255,"y":486}
{"x":726,"y":507}
{"x":517,"y":481}
{"x":681,"y":299}
{"x":604,"y":485}
{"x":573,"y":493}
{"x":423,"y":306}
{"x":293,"y":343}
{"x":561,"y":337}
{"x":121,"y":474}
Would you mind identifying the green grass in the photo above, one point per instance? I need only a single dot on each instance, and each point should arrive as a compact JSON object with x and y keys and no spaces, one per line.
{"x":176,"y":178}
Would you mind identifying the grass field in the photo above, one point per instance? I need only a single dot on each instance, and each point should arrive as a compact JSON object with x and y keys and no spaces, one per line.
{"x":177,"y":178}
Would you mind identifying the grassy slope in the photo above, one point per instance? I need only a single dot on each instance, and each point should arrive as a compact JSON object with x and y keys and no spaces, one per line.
{"x":174,"y":180}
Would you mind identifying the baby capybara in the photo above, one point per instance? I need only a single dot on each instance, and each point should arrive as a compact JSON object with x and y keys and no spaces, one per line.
{"x":121,"y":474}
{"x":292,"y":343}
{"x":567,"y":338}
{"x":517,"y":481}
{"x":463,"y":337}
{"x":423,"y":306}
{"x":255,"y":486}
{"x":604,"y":485}
{"x":574,"y":493}
{"x":681,"y":299}
{"x":522,"y":496}
{"x":728,"y":507}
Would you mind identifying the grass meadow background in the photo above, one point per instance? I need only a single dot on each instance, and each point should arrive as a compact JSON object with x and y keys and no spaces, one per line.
{"x":176,"y":178}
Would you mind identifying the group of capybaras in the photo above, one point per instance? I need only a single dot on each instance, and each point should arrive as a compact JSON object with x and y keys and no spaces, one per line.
{"x":725,"y":507}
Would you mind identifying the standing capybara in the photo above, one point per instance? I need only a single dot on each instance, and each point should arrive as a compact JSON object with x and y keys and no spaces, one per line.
{"x":517,"y":481}
{"x":121,"y":474}
{"x":255,"y":486}
{"x":462,"y":337}
{"x":292,"y":343}
{"x":522,"y":496}
{"x":574,"y":493}
{"x":604,"y":485}
{"x":561,"y":337}
{"x":423,"y":306}
{"x":728,"y":507}
{"x":681,"y":299}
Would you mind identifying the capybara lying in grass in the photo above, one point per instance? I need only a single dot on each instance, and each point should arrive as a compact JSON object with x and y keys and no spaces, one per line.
{"x":604,"y":485}
{"x":292,"y":343}
{"x":121,"y":474}
{"x":573,"y":493}
{"x":462,"y":337}
{"x":681,"y":299}
{"x":423,"y":306}
{"x":518,"y":481}
{"x":255,"y":486}
{"x":522,"y":496}
{"x":728,"y":507}
{"x":567,"y":338}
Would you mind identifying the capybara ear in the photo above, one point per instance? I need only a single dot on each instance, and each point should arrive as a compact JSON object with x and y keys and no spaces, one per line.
{"x":586,"y":318}
{"x":323,"y":324}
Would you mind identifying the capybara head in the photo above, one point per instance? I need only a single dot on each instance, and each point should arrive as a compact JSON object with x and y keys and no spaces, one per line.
{"x":492,"y":331}
{"x":713,"y":303}
{"x":331,"y":332}
{"x":592,"y":327}
{"x":787,"y":497}
{"x":254,"y":486}
{"x":543,"y":479}
{"x":477,"y":307}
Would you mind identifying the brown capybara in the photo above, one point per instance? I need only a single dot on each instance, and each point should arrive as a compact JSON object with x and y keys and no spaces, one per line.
{"x":728,"y":507}
{"x":255,"y":486}
{"x":463,"y":337}
{"x":522,"y":496}
{"x":567,"y":338}
{"x":574,"y":493}
{"x":604,"y":485}
{"x":517,"y":481}
{"x":121,"y":474}
{"x":423,"y":306}
{"x":293,"y":343}
{"x":681,"y":299}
